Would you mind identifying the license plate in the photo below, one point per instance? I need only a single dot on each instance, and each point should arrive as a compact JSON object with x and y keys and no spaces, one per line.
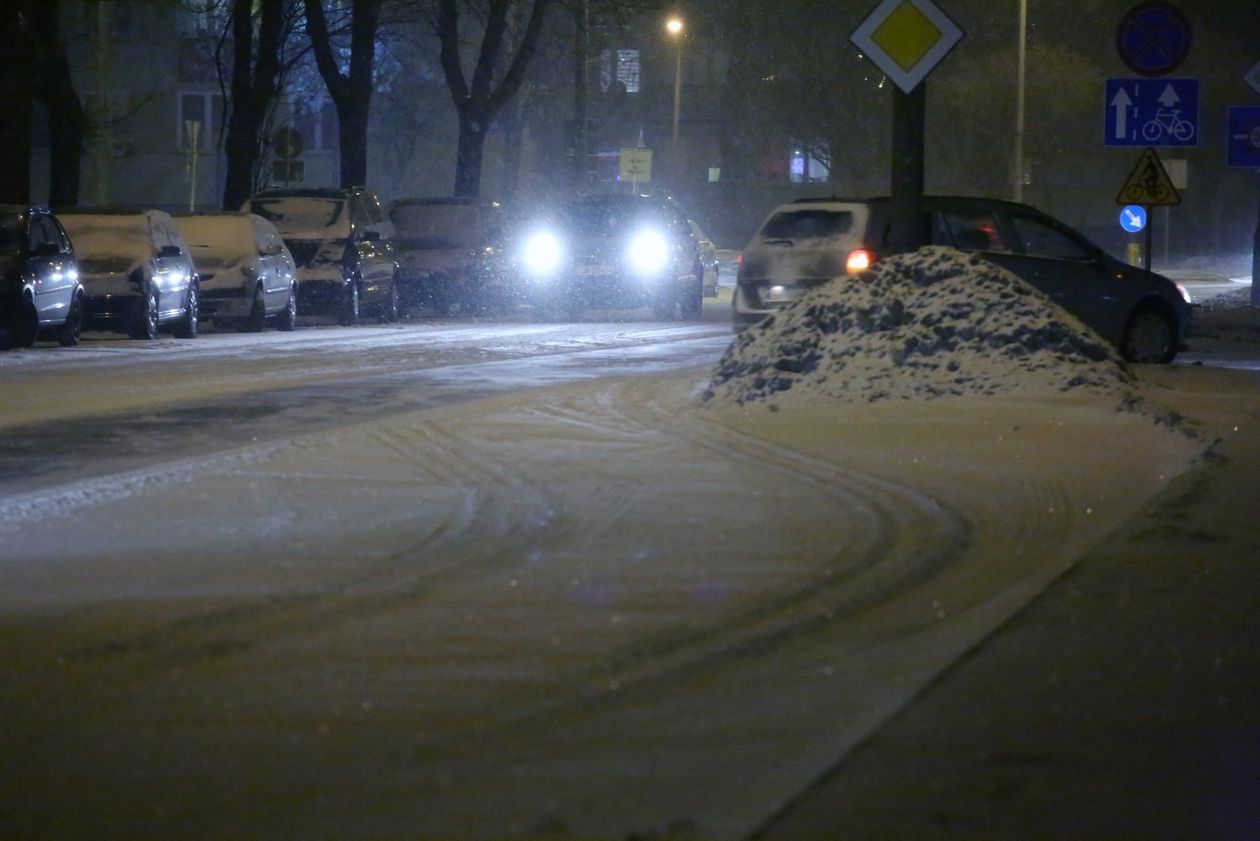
{"x":779,"y":294}
{"x":593,"y":271}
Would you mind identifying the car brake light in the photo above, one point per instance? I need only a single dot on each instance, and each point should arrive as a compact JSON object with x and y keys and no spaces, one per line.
{"x":859,"y":261}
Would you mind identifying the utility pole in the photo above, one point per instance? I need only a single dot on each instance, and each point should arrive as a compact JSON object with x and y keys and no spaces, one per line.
{"x":909,"y":223}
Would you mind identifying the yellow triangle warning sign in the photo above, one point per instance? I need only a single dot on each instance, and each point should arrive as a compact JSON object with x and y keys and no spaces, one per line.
{"x":1148,"y":183}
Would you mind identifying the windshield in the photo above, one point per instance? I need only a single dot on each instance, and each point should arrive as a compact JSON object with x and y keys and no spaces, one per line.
{"x":297,"y":214}
{"x":109,"y":235}
{"x":221,"y":236}
{"x":437,"y":225}
{"x":607,"y":218}
{"x":808,"y":224}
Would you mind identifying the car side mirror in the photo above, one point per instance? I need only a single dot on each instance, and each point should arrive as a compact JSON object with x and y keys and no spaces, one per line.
{"x":47,"y":249}
{"x":170,"y":251}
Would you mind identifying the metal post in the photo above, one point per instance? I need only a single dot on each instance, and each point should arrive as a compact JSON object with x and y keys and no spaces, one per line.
{"x":677,"y":100}
{"x":1255,"y":256}
{"x":193,"y":128}
{"x":581,"y":61}
{"x":1150,"y":224}
{"x":1018,"y":191}
{"x":909,"y":230}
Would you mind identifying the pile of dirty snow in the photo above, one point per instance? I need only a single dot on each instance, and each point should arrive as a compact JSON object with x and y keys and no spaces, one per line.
{"x":934,"y":323}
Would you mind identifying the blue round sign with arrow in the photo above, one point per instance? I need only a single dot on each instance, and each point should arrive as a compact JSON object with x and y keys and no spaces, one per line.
{"x":1133,"y":218}
{"x":1154,"y":38}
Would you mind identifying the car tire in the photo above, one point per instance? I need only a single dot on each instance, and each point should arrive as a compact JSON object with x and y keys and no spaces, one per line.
{"x":692,"y":304}
{"x":349,"y":314}
{"x":287,"y":321}
{"x":1150,"y":335}
{"x":391,"y":307}
{"x":23,"y":326}
{"x":663,"y":305}
{"x":257,"y":317}
{"x":144,"y":322}
{"x":69,"y":333}
{"x":189,"y":322}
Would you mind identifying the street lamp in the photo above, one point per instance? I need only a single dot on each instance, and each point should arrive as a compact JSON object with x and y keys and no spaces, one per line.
{"x":1018,"y":166}
{"x":674,"y":26}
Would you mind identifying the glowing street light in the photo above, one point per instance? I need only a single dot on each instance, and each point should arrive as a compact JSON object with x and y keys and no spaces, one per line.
{"x":674,"y":26}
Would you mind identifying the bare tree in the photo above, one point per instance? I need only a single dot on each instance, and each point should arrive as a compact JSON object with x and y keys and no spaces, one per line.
{"x":351,"y":92}
{"x":478,"y":103}
{"x":254,"y":86}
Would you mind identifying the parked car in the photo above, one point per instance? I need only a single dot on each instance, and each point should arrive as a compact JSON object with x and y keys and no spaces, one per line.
{"x":342,"y":244}
{"x":807,"y":243}
{"x":136,"y":270}
{"x":708,"y":259}
{"x":614,"y":251}
{"x":247,"y":274}
{"x":453,"y":252}
{"x":40,"y":291}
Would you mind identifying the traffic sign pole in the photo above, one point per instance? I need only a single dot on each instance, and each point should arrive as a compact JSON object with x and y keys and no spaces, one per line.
{"x":1146,"y":257}
{"x":909,"y":121}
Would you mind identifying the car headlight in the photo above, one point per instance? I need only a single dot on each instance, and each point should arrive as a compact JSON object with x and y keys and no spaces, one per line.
{"x":1184,"y":292}
{"x":649,"y":252}
{"x":542,"y":253}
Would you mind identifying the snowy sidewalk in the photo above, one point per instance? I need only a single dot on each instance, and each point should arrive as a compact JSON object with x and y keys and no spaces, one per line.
{"x":1121,"y":704}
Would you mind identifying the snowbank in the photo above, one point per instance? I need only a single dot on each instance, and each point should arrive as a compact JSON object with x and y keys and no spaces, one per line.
{"x":931,"y":324}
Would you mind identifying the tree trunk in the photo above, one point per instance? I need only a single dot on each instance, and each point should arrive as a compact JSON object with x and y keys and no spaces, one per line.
{"x":472,"y":141}
{"x":66,"y":120}
{"x":15,"y":134}
{"x":352,"y":114}
{"x":255,"y":83}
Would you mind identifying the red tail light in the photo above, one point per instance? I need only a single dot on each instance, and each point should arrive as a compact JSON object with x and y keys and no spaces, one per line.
{"x":859,"y":261}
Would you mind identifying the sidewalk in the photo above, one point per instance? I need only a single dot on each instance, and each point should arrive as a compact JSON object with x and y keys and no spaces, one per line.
{"x":1123,"y":703}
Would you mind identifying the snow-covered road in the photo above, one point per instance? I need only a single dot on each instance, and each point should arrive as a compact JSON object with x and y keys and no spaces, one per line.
{"x":519,"y":582}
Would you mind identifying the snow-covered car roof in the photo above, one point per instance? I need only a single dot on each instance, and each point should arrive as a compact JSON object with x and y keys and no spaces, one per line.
{"x":319,"y":214}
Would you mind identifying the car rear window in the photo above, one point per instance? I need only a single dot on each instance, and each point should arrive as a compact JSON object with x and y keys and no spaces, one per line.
{"x":814,"y":223}
{"x":298,"y":213}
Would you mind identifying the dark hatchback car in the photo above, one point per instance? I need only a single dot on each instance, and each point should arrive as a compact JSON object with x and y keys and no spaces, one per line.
{"x":453,"y":253}
{"x":40,"y":291}
{"x":614,"y":251}
{"x":342,"y":243}
{"x":810,"y":242}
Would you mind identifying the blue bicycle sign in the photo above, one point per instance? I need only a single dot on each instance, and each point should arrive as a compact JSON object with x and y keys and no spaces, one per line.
{"x":1151,"y":112}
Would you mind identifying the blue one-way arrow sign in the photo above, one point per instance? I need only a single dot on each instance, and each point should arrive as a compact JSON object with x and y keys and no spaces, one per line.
{"x":1151,"y":112}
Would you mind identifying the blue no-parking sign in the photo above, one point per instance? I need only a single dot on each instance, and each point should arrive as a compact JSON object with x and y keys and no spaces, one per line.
{"x":1133,"y":218}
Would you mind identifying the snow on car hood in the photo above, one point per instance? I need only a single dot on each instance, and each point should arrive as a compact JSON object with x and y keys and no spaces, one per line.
{"x":931,"y":324}
{"x":108,"y":243}
{"x":304,"y":217}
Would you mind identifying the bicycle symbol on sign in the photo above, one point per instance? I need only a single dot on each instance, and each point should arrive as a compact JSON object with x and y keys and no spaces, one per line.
{"x":1167,"y":121}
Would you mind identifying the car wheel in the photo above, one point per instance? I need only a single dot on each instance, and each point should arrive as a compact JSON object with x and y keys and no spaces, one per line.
{"x":144,"y":323}
{"x":1150,"y":335}
{"x":288,"y":318}
{"x":257,"y":312}
{"x":23,"y":326}
{"x":349,"y":315}
{"x":693,"y":302}
{"x":189,"y":323}
{"x":389,"y":309}
{"x":68,"y":335}
{"x":663,"y":305}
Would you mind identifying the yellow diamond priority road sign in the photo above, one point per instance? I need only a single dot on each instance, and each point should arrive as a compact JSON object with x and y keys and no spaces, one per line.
{"x":906,"y":39}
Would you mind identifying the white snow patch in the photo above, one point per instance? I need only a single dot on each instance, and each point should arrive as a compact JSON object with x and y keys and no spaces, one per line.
{"x":931,"y":324}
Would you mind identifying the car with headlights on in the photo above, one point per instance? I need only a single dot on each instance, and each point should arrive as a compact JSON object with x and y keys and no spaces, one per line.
{"x":40,"y":291}
{"x":810,"y":242}
{"x":342,"y":243}
{"x":613,"y":251}
{"x":247,"y":274}
{"x":136,"y":269}
{"x":708,"y":259}
{"x":452,"y":253}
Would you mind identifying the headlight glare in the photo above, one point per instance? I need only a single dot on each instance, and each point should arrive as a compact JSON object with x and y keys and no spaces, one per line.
{"x":542,"y":253}
{"x":649,"y":252}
